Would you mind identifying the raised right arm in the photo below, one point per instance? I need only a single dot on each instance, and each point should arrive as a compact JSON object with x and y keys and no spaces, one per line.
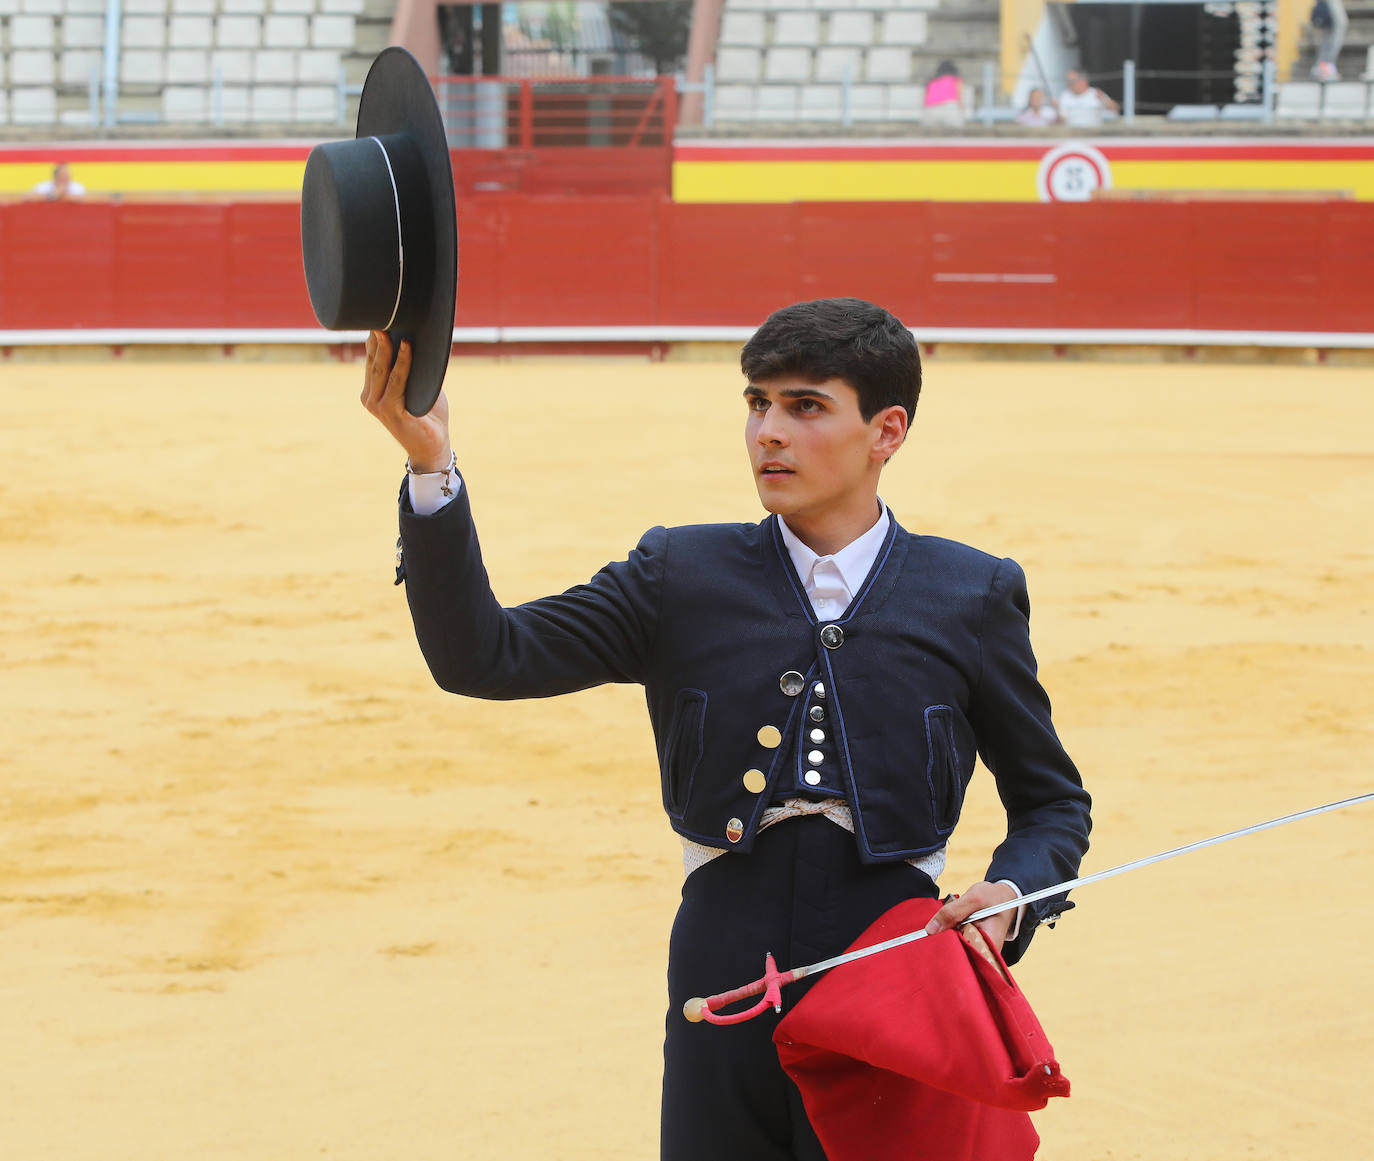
{"x":599,"y":632}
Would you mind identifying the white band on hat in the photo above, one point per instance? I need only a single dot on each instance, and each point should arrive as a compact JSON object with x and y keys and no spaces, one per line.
{"x":400,"y":245}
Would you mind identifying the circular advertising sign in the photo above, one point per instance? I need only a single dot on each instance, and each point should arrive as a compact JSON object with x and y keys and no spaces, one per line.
{"x":1072,"y":172}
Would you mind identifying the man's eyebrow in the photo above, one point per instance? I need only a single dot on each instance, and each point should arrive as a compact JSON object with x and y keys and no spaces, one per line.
{"x":791,"y":393}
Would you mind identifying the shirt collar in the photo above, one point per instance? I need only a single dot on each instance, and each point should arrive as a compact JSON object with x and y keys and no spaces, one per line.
{"x":854,"y":560}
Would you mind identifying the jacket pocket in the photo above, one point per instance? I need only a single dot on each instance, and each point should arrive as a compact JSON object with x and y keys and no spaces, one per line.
{"x":682,"y":750}
{"x":942,"y":768}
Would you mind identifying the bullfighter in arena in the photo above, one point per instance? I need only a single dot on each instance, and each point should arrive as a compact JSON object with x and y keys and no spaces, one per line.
{"x":819,"y":685}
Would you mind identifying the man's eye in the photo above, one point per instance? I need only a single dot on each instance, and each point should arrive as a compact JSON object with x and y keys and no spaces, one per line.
{"x":757,"y":404}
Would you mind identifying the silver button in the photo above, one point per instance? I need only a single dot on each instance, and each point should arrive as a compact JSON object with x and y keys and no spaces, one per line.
{"x":819,"y":690}
{"x":755,"y":782}
{"x":770,"y":737}
{"x":734,"y":830}
{"x":792,"y":683}
{"x":832,"y":636}
{"x":815,"y":757}
{"x":816,"y":713}
{"x":818,"y":736}
{"x":813,"y":777}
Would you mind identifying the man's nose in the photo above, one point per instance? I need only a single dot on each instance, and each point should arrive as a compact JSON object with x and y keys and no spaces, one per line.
{"x":771,"y":429}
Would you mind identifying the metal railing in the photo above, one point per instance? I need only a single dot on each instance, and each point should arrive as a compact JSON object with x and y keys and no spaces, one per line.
{"x":985,"y":103}
{"x":544,"y":112}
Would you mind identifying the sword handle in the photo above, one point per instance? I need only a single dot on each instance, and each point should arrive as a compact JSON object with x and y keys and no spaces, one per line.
{"x":770,"y":984}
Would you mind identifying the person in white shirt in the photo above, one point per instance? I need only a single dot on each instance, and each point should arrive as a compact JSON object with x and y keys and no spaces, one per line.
{"x":60,"y":187}
{"x":1082,"y":105}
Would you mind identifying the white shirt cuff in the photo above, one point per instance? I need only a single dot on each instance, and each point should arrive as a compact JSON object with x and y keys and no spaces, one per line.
{"x":431,"y":491}
{"x":1020,"y":911}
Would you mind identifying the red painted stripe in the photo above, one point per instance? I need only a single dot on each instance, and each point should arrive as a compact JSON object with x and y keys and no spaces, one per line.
{"x":1271,"y":152}
{"x":967,"y":151}
{"x":1115,"y":151}
{"x":85,"y":153}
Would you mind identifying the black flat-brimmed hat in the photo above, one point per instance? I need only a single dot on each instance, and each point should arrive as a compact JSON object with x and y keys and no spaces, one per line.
{"x":379,"y":232}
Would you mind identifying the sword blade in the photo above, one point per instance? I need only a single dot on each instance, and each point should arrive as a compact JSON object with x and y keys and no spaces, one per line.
{"x":1082,"y":881}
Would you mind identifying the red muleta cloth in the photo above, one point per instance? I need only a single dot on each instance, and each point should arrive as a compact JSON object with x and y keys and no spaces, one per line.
{"x":928,"y":1052}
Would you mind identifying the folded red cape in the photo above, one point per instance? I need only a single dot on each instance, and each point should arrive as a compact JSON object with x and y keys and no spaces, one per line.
{"x":928,"y":1051}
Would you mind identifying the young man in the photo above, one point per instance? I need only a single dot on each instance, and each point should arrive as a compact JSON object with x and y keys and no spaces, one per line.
{"x":818,"y":684}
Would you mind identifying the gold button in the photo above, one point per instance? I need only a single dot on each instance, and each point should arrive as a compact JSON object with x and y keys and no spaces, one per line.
{"x":770,"y":737}
{"x":734,"y":830}
{"x":754,"y":781}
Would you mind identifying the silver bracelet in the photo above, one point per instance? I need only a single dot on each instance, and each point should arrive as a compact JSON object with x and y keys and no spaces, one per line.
{"x":448,"y":471}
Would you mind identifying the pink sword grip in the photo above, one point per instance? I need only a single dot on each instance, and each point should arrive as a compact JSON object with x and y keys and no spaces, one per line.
{"x":770,"y":985}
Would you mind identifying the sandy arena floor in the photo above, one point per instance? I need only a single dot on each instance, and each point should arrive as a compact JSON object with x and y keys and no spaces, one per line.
{"x":266,"y":894}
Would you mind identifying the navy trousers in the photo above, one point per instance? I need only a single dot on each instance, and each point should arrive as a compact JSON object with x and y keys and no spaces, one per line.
{"x":802,"y":894}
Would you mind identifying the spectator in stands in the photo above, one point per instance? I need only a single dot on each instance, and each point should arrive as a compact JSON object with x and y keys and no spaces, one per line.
{"x":1329,"y":19}
{"x":1038,"y":110}
{"x":60,"y":187}
{"x":1081,"y":104}
{"x":944,"y":99}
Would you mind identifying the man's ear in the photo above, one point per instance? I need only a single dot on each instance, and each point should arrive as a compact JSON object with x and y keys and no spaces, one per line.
{"x":890,"y":431}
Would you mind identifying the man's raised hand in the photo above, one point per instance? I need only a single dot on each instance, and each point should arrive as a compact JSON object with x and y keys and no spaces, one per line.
{"x":425,"y":438}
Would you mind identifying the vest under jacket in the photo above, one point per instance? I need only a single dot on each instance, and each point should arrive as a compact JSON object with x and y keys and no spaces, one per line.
{"x":931,"y":665}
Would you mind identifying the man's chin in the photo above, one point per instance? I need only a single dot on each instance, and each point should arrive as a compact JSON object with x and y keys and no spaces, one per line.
{"x":775,"y":504}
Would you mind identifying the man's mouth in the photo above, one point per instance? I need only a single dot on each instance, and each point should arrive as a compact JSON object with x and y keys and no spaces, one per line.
{"x":775,"y":470}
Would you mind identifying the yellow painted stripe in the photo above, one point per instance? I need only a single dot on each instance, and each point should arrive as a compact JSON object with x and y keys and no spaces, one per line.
{"x":854,"y":181}
{"x":1354,"y":176}
{"x":991,"y":181}
{"x":113,"y":177}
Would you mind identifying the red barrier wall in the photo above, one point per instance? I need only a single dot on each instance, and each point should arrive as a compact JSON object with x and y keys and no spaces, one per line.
{"x":641,"y":261}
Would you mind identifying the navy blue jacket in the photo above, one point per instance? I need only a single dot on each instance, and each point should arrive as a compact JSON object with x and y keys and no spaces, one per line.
{"x":930,"y":665}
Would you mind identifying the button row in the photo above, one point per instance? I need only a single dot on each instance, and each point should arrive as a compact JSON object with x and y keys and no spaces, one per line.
{"x":792,"y":684}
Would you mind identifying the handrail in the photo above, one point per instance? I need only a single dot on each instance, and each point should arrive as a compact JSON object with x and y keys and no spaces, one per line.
{"x":523,"y":112}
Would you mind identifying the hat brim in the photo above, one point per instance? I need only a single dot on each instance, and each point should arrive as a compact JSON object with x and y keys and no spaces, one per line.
{"x":398,"y":98}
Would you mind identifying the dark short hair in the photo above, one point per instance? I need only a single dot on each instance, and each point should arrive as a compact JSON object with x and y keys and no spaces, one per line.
{"x":839,"y":338}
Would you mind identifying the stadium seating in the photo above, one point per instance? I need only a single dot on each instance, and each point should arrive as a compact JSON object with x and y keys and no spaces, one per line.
{"x":829,"y":60}
{"x":1332,"y":101}
{"x":188,"y":61}
{"x":1345,"y":101}
{"x":1298,"y":101}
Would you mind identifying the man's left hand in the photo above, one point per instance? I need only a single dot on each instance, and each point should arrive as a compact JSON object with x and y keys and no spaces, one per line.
{"x":980,"y":895}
